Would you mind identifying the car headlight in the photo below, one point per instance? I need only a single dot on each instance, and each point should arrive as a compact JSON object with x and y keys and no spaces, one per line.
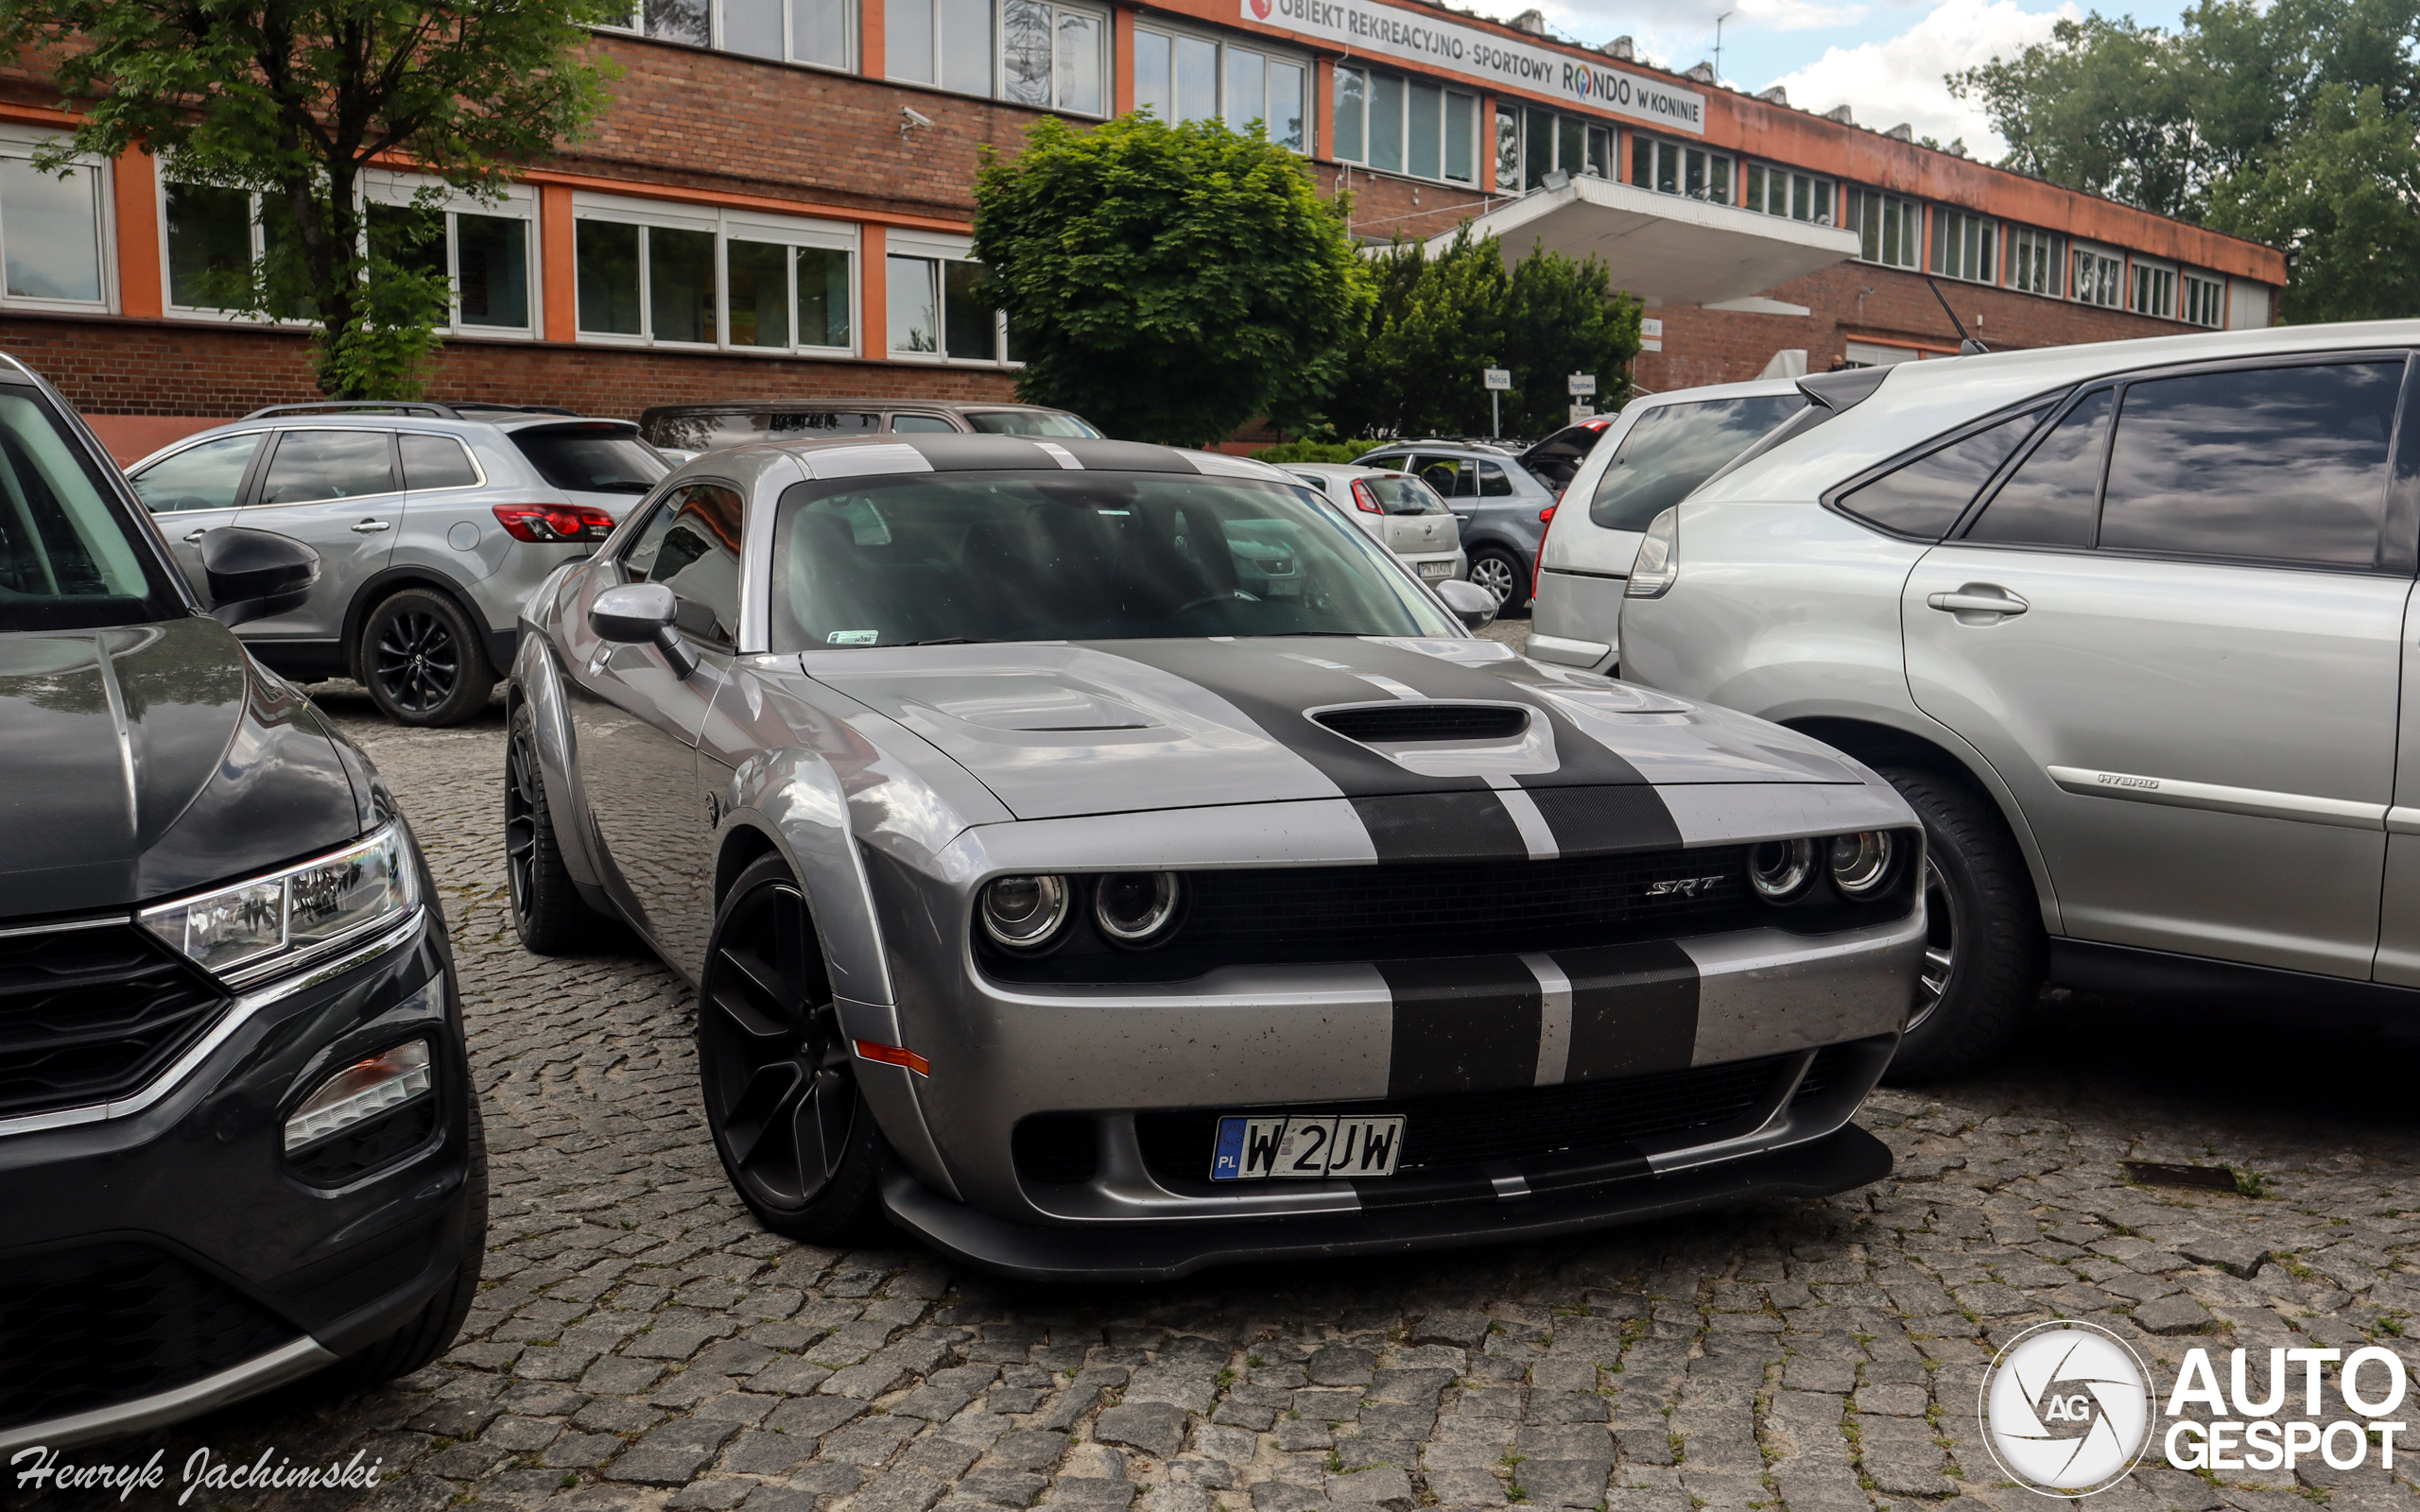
{"x":256,"y":929}
{"x":1135,"y":909}
{"x":1024,"y":912}
{"x":1780,"y":869}
{"x":361,"y":1091}
{"x":1860,"y":863}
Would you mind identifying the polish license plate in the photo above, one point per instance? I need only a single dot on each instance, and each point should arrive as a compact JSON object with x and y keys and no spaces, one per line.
{"x":1436,"y":569}
{"x":1305,"y":1150}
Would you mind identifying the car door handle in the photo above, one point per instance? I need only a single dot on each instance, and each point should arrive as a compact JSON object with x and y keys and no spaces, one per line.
{"x":1978,"y":598}
{"x":370,"y":528}
{"x":194,"y":538}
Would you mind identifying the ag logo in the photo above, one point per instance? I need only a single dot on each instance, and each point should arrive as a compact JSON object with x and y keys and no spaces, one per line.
{"x":2067,"y":1409}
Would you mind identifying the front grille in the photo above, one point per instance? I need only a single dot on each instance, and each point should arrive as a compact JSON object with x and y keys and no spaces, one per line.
{"x":1062,"y":1147}
{"x":87,"y":1015}
{"x":1831,"y":1063}
{"x":1427,"y":721}
{"x":108,"y":1323}
{"x":1530,"y":1125}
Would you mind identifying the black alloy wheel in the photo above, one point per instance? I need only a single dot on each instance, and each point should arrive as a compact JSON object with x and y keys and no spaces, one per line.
{"x":781,"y":1092}
{"x":1496,"y":571}
{"x":1984,"y":949}
{"x":547,"y":911}
{"x":1941,"y":945}
{"x":424,"y":660}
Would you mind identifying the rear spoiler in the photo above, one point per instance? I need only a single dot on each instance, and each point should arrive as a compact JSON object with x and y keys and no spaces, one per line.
{"x":1828,"y":395}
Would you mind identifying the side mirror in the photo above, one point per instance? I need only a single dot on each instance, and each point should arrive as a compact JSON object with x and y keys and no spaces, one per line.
{"x":254,"y":574}
{"x":642,"y":614}
{"x":1473,"y":604}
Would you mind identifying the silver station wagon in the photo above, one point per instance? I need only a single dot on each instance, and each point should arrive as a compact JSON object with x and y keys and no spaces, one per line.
{"x":1107,"y":861}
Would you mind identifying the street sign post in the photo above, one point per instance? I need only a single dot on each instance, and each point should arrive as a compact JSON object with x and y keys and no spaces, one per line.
{"x":1583,"y":384}
{"x":1498,"y":380}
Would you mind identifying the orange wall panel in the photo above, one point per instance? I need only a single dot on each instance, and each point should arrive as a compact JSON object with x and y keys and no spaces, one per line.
{"x":134,"y":204}
{"x":559,"y":270}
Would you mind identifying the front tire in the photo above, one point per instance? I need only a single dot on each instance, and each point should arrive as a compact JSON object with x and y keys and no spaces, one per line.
{"x":424,"y":662}
{"x":1501,"y":574}
{"x":1983,"y":944}
{"x":547,"y":912}
{"x":797,"y":1140}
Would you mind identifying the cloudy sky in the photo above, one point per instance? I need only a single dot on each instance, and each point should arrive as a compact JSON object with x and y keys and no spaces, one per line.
{"x":1884,"y":59}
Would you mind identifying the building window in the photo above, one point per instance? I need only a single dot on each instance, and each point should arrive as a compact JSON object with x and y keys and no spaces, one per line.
{"x":1398,"y":125}
{"x":1780,"y":192}
{"x":1890,"y":229}
{"x":1965,"y":245}
{"x":1182,"y":79}
{"x":1874,"y":354}
{"x":737,"y":282}
{"x":1047,"y":56}
{"x":1670,"y":168}
{"x":50,"y":231}
{"x":1531,"y":144}
{"x":799,"y":31}
{"x":215,"y":237}
{"x":2033,"y":263}
{"x":2153,"y":292}
{"x":2205,"y":302}
{"x":2100,"y":278}
{"x":484,"y":252}
{"x":936,"y":311}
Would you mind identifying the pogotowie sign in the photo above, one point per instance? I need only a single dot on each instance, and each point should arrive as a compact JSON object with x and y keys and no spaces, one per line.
{"x":1361,"y":27}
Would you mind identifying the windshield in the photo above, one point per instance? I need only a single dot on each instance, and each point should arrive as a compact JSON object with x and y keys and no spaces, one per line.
{"x":1069,"y":556}
{"x":1399,"y":494}
{"x":1030,"y":422}
{"x":1674,"y":448}
{"x":68,"y":559}
{"x":592,"y":458}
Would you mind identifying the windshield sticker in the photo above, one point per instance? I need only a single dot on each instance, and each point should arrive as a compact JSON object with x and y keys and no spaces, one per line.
{"x":852,"y":638}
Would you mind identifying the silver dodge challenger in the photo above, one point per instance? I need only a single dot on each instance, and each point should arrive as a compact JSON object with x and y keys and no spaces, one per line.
{"x":1108,"y":862}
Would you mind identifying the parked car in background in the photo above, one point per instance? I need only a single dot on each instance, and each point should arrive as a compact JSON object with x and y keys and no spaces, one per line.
{"x":432,"y":523}
{"x":1555,"y":460}
{"x":2130,"y":626}
{"x":239,"y":1138}
{"x":695,"y":428}
{"x":1396,"y":511}
{"x":1649,"y":456}
{"x":1497,"y":500}
{"x":1118,"y":870}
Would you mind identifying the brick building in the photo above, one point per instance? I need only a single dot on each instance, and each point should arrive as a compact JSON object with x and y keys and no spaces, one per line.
{"x":778,"y":203}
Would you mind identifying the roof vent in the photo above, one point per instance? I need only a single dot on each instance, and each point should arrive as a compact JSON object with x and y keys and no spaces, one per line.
{"x":1532,"y":22}
{"x":1703,"y":73}
{"x":1901,"y":132}
{"x":1841,"y":113}
{"x":1775,"y":95}
{"x":1424,"y":720}
{"x":1621,"y":47}
{"x":1957,"y":147}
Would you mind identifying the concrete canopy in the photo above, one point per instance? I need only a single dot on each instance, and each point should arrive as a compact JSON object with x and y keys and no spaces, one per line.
{"x":1665,"y":248}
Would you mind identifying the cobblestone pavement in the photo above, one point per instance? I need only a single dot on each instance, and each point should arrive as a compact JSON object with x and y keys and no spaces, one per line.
{"x":640,"y":1343}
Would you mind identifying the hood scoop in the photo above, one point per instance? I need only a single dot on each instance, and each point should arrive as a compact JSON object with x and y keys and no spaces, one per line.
{"x":1423,"y":720}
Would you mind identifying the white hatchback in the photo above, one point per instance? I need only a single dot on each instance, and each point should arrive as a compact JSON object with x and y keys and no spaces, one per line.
{"x":1396,"y":511}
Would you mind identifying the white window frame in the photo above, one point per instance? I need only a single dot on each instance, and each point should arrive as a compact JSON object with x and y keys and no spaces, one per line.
{"x":161,"y":181}
{"x":1446,"y":95}
{"x":2186,"y":284}
{"x":939,"y":247}
{"x":1912,"y":239}
{"x":2108,"y":272}
{"x":22,"y":142}
{"x":1947,"y":223}
{"x":519,"y":202}
{"x":1658,"y":148}
{"x":2143,"y":270}
{"x":636,"y":27}
{"x":1105,"y":25}
{"x":2043,"y":250}
{"x":1772,"y":175}
{"x":1519,"y":113}
{"x":727,"y":226}
{"x":1268,"y":53}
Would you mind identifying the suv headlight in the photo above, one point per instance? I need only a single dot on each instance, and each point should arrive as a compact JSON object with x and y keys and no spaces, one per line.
{"x":256,"y":929}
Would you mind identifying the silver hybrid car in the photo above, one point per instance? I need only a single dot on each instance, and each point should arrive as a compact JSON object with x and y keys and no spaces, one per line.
{"x":1111,"y":863}
{"x":2127,"y":624}
{"x":432,"y":522}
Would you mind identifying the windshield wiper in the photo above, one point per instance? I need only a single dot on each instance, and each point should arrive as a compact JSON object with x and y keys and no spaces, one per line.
{"x":950,"y":640}
{"x":1270,"y":635}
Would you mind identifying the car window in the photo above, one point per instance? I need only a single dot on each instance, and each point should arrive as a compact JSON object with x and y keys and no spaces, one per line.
{"x":1402,"y":494}
{"x":2282,"y":464}
{"x":1493,"y":482}
{"x":208,"y":476}
{"x":436,"y":462}
{"x":2048,"y":500}
{"x":1451,"y":478}
{"x":1672,"y":448}
{"x":68,"y":557}
{"x":922,"y":425}
{"x":691,"y":545}
{"x":1030,"y":423}
{"x":308,"y":466}
{"x":592,"y":458}
{"x":1091,"y":555}
{"x":1925,"y":497}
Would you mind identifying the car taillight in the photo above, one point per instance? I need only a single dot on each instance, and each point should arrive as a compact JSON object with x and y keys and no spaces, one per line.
{"x":1365,"y":498}
{"x":553,"y":522}
{"x":1538,"y":562}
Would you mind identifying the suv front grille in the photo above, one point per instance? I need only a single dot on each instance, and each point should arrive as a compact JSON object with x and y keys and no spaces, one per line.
{"x":87,"y":1015}
{"x":108,"y":1323}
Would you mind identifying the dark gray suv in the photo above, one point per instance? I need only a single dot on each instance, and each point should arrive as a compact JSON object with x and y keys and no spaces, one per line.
{"x":1500,"y":502}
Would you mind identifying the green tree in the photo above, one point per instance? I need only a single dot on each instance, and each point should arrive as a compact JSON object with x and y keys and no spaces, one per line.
{"x":293,"y":101}
{"x":1168,"y":283}
{"x":2291,"y":121}
{"x":1438,"y":321}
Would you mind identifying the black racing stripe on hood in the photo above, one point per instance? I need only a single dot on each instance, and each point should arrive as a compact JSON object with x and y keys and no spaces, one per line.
{"x":1441,"y":827}
{"x":1633,"y":1009}
{"x":1463,"y":1023}
{"x":1590,"y":821}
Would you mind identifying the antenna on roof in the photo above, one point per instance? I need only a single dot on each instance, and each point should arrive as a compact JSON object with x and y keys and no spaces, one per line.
{"x":1967,"y":346}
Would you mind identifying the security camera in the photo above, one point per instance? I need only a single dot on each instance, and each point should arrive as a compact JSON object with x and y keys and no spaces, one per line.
{"x":913,"y":119}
